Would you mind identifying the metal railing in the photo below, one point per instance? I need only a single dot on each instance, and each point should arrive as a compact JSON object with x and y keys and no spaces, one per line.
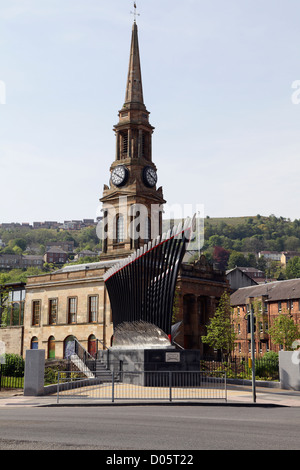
{"x":12,"y":373}
{"x":81,"y":352}
{"x":239,"y":368}
{"x":145,"y":385}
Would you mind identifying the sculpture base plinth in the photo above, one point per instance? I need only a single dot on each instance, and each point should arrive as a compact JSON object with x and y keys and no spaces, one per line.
{"x":138,"y":366}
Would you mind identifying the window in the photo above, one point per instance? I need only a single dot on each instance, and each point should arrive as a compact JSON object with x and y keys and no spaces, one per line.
{"x":143,"y":144}
{"x":105,"y":230}
{"x":52,"y":311}
{"x":93,"y":308}
{"x":72,"y":309}
{"x":36,"y":312}
{"x":124,"y":145}
{"x":147,"y":234}
{"x":279,"y":306}
{"x":120,"y":229}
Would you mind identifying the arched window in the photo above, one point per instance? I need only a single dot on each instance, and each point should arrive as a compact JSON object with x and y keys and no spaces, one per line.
{"x":147,"y":235}
{"x":69,"y":346}
{"x":120,"y":229}
{"x":51,"y":347}
{"x":34,"y":343}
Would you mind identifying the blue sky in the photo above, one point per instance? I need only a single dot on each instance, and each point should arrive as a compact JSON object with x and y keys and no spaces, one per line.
{"x":217,"y":79}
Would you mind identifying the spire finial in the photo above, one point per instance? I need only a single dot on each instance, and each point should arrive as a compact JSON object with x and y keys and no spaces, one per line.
{"x":134,"y":13}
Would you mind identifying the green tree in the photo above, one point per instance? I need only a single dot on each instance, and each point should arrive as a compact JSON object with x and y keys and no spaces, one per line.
{"x":284,"y":331}
{"x":292,"y":243}
{"x":261,"y":264}
{"x":220,"y":330}
{"x":293,"y":268}
{"x":237,"y":259}
{"x":19,"y":242}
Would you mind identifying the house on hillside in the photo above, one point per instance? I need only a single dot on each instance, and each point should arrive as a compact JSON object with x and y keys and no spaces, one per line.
{"x":238,"y":278}
{"x":270,"y":255}
{"x":286,"y":256}
{"x":56,"y":255}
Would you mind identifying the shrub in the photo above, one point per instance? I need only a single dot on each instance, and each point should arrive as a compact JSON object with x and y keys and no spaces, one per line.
{"x":14,"y":365}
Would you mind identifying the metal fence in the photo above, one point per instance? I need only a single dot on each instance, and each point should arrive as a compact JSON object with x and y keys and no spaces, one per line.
{"x":266,"y":368}
{"x":12,"y":372}
{"x":145,"y":385}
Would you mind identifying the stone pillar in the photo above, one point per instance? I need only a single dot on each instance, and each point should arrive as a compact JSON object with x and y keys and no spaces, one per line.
{"x":117,"y":146}
{"x":34,"y":372}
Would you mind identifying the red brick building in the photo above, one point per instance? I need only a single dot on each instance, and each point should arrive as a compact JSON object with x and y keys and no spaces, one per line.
{"x":199,"y":289}
{"x":56,"y":255}
{"x":267,"y":301}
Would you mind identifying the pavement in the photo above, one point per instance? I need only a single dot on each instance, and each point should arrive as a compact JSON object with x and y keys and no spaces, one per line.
{"x":236,"y":396}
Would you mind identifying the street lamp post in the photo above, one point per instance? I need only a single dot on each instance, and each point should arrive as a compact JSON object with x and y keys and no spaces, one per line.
{"x":253,"y":354}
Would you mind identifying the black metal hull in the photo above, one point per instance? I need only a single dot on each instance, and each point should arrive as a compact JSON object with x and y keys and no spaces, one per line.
{"x":142,"y":287}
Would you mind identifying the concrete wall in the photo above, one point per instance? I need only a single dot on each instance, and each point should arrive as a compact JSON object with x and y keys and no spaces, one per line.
{"x":289,"y":370}
{"x":12,"y":337}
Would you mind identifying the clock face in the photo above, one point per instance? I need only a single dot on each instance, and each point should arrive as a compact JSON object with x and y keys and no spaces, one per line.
{"x":119,"y":175}
{"x":149,"y":176}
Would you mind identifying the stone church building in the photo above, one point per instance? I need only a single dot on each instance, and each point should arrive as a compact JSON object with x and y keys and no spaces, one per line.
{"x":73,"y":301}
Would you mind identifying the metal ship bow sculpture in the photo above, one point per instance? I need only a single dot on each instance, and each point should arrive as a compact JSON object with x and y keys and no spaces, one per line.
{"x":141,"y":289}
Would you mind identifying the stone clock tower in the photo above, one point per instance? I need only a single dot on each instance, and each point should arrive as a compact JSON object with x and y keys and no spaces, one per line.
{"x":132,"y":204}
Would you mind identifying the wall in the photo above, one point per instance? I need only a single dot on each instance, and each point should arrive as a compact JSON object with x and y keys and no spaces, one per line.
{"x":61,"y":286}
{"x":289,"y":370}
{"x":12,"y":337}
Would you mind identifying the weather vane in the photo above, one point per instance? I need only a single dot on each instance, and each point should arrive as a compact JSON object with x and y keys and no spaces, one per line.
{"x":135,"y":12}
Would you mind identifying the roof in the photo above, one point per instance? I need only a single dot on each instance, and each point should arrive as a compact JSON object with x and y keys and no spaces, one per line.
{"x":82,"y":267}
{"x":244,"y":270}
{"x":15,"y":285}
{"x":275,"y":291}
{"x":250,"y":270}
{"x":56,"y":249}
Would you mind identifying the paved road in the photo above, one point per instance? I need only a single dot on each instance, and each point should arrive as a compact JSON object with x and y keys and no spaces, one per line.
{"x":151,"y":427}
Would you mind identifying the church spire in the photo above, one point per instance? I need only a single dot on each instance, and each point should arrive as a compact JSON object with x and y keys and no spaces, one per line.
{"x":134,"y":88}
{"x":133,"y":181}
